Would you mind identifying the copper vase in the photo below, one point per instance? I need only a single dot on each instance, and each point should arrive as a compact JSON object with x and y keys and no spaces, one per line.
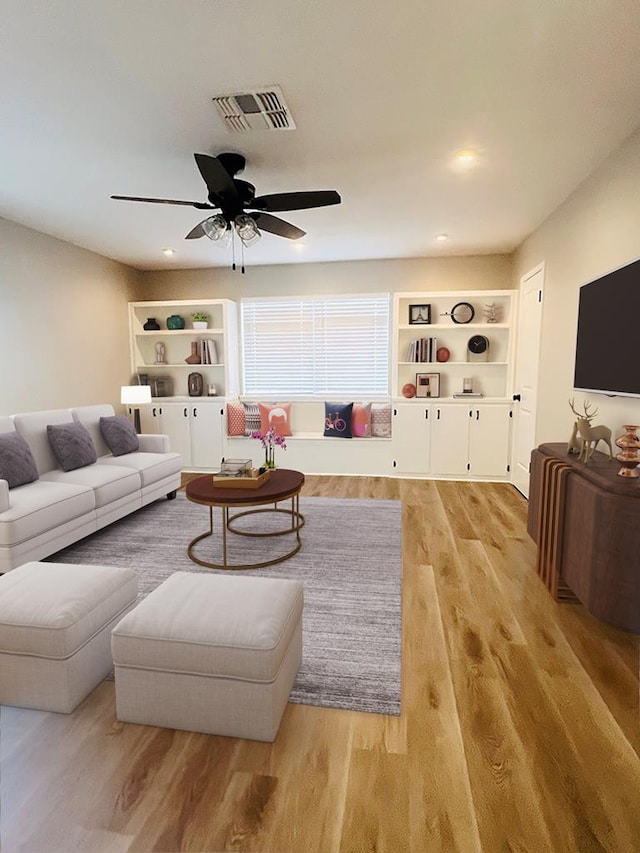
{"x":629,"y":456}
{"x":194,"y":358}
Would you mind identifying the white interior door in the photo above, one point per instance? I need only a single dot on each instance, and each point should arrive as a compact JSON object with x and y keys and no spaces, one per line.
{"x":527,"y":357}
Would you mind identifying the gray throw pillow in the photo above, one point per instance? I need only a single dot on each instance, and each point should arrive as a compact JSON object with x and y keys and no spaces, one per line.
{"x":17,"y":465}
{"x":72,"y":445}
{"x":119,"y":434}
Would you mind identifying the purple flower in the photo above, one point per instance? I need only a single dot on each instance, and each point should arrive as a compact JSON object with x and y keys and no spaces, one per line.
{"x":269,"y":439}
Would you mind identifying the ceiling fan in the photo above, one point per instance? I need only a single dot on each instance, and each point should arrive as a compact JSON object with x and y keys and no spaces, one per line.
{"x":234,"y":198}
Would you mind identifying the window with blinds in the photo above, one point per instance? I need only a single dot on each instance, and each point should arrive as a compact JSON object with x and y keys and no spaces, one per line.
{"x":316,"y":347}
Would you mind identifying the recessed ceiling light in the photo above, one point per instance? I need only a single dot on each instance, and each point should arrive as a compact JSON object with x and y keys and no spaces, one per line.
{"x":466,"y":156}
{"x":299,"y":247}
{"x":168,"y":252}
{"x":442,"y":237}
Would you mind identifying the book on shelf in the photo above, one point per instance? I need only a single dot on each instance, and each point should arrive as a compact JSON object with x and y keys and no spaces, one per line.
{"x":212,"y":351}
{"x":422,"y":350}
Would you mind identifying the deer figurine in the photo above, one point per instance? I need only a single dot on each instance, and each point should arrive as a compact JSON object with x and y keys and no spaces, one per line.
{"x":590,"y":435}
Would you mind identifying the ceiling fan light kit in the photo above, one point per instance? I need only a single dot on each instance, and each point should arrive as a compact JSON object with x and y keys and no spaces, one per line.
{"x":233,"y":197}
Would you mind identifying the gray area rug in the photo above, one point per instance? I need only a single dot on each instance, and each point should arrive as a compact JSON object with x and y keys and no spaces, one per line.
{"x":350,"y":564}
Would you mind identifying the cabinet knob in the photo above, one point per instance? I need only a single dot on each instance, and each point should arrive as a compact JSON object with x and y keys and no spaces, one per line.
{"x":516,"y":398}
{"x":184,"y":412}
{"x":477,"y":414}
{"x":195,"y":412}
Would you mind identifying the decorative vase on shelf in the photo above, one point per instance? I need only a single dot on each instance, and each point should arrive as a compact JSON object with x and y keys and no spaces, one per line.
{"x":175,"y":321}
{"x":151,"y":325}
{"x":194,"y":358}
{"x":629,"y":456}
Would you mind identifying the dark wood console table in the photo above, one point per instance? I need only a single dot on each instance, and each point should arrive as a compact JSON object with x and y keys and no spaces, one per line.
{"x":586,"y":523}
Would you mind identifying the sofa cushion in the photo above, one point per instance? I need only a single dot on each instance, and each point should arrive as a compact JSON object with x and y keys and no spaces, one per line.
{"x":90,"y":416}
{"x":33,"y":427}
{"x":72,"y":445}
{"x":337,"y":420}
{"x":152,"y":467}
{"x":109,"y":482}
{"x":277,"y":416}
{"x":17,"y":465}
{"x":119,"y":434}
{"x":41,"y":506}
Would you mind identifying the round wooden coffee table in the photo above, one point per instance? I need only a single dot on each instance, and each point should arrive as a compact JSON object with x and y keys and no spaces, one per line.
{"x":282,"y":485}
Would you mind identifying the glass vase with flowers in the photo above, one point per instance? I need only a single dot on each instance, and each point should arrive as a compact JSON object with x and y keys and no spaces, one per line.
{"x":270,"y":440}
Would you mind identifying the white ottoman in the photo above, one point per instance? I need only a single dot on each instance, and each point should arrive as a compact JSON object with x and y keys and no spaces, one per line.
{"x":55,"y":631}
{"x":210,"y":653}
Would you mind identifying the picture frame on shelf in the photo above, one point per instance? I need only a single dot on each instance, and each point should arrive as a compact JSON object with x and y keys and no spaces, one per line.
{"x":427,"y":385}
{"x":419,"y":315}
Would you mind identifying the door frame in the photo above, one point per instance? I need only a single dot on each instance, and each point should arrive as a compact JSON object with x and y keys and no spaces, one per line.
{"x":539,"y":268}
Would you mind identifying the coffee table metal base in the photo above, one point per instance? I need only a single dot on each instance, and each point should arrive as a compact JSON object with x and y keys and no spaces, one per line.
{"x":297,"y":523}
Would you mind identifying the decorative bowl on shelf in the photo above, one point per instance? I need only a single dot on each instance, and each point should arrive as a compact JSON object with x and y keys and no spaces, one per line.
{"x":175,"y":321}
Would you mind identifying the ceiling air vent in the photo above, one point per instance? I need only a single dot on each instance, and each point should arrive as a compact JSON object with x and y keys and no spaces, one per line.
{"x":261,"y":109}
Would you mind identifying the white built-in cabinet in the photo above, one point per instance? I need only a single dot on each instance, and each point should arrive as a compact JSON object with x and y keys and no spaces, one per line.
{"x":440,"y":436}
{"x":452,"y":440}
{"x":195,"y":429}
{"x":194,"y":424}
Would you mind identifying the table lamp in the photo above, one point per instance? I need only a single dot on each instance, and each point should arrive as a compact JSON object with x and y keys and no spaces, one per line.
{"x":135,"y":395}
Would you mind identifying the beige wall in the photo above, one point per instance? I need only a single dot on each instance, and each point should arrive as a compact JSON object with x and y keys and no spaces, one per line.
{"x":63,"y":323}
{"x":488,"y":272}
{"x":596,"y":230}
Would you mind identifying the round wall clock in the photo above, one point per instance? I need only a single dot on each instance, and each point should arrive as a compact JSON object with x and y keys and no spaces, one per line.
{"x":478,"y":348}
{"x":463,"y":312}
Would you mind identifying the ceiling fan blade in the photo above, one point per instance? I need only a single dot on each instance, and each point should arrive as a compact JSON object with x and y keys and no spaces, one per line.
{"x":196,"y":232}
{"x":296,"y":201}
{"x":275,"y":225}
{"x":197,"y":204}
{"x":218,"y":180}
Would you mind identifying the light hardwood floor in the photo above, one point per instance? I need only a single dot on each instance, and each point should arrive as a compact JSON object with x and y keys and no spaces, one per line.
{"x":520,"y":728}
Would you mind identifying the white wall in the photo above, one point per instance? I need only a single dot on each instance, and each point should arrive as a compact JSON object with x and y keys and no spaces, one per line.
{"x":482,"y":272}
{"x":63,"y":323}
{"x":596,"y":230}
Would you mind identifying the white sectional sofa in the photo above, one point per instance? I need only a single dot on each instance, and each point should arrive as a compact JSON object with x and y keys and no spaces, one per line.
{"x":41,"y":517}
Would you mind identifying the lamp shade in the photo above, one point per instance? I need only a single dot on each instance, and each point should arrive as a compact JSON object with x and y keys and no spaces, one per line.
{"x":135,"y":395}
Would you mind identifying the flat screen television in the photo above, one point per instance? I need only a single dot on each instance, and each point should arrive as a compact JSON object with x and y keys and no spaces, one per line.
{"x":608,"y":340}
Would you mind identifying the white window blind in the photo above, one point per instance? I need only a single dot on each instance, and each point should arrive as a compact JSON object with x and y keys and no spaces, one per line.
{"x":316,"y":347}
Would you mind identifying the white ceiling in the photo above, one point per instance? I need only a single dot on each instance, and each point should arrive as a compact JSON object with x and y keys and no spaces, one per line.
{"x":114,"y":96}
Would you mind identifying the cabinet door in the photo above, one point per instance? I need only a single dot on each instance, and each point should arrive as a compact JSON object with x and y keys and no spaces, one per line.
{"x":175,"y":423}
{"x":489,"y":434}
{"x":411,"y":438}
{"x":151,"y":419}
{"x":206,"y":434}
{"x":449,"y":439}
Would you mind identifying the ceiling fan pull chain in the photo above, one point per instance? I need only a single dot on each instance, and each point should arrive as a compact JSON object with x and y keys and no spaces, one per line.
{"x":242,"y":253}
{"x":233,"y":248}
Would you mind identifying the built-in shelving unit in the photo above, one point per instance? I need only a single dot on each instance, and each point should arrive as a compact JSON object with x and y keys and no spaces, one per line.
{"x":176,"y":346}
{"x":490,"y":373}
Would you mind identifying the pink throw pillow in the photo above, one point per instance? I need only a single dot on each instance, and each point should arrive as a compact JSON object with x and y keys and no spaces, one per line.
{"x":361,"y":420}
{"x":277,"y":416}
{"x":235,"y":419}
